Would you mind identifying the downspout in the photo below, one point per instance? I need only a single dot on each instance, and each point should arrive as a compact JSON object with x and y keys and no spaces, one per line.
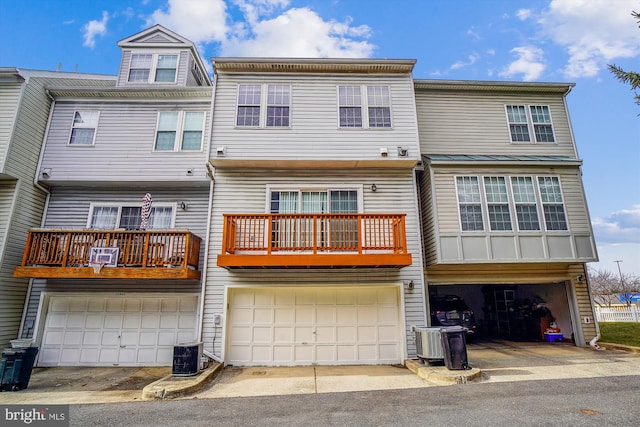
{"x":594,"y":341}
{"x":44,"y":211}
{"x":203,"y":285}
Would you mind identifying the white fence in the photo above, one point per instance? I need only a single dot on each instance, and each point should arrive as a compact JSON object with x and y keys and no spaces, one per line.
{"x":618,"y":313}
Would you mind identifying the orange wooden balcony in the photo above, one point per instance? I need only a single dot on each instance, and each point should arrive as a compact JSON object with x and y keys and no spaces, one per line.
{"x":314,"y":241}
{"x":117,"y":254}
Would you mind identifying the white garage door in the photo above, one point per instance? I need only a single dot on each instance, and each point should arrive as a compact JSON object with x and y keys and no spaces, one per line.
{"x":302,"y":326}
{"x":116,"y":331}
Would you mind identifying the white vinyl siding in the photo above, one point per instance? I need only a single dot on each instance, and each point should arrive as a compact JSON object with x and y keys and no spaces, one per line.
{"x":314,"y":116}
{"x":124,"y":147}
{"x":244,"y":191}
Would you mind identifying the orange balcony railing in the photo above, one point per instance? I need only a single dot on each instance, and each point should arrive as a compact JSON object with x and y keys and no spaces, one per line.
{"x":314,"y":240}
{"x":119,"y":254}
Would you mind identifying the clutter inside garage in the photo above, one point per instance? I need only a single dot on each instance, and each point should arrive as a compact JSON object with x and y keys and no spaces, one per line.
{"x":535,"y":312}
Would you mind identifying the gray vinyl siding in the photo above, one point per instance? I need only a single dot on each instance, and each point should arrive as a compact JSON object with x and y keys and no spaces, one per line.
{"x":244,"y":191}
{"x":9,"y":98}
{"x":314,"y":132}
{"x":476,"y":123}
{"x":69,"y":209}
{"x":124,"y":144}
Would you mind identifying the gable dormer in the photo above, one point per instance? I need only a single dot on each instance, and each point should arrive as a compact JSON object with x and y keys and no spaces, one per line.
{"x":160,"y":57}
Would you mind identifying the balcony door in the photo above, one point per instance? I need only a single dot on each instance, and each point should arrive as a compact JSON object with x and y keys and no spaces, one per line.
{"x":296,"y":232}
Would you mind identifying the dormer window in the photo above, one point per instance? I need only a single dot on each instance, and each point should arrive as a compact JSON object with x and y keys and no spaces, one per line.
{"x":153,"y":68}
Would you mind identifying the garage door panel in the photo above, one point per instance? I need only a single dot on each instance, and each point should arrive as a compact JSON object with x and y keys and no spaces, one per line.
{"x":106,"y":331}
{"x":72,"y":338}
{"x":114,"y":304}
{"x":320,"y":325}
{"x":112,"y":321}
{"x":263,"y":315}
{"x":69,"y":356}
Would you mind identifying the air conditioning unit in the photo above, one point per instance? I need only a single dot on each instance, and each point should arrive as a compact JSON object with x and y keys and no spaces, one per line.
{"x":429,"y":343}
{"x":186,"y":359}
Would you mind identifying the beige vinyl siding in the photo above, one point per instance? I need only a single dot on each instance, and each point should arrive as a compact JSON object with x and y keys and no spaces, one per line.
{"x":244,"y":191}
{"x":452,"y":122}
{"x":427,"y":212}
{"x":9,"y":98}
{"x":575,"y":243}
{"x":69,"y":209}
{"x":314,"y":132}
{"x":124,"y":145}
{"x":570,"y":180}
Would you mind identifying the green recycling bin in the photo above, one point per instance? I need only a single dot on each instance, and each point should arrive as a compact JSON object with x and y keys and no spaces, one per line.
{"x":15,"y":367}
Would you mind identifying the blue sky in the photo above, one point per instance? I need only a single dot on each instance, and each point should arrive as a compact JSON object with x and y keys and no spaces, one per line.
{"x":526,"y":40}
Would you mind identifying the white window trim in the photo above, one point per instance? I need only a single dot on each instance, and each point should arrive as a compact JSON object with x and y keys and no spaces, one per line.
{"x":278,"y":187}
{"x":154,"y":67}
{"x":482,"y":201}
{"x":531,"y":125}
{"x":541,"y":208}
{"x":177,"y":143}
{"x":264,"y":94}
{"x":73,"y":126}
{"x":93,"y":205}
{"x":364,"y":108}
{"x":510,"y":203}
{"x":515,"y":226}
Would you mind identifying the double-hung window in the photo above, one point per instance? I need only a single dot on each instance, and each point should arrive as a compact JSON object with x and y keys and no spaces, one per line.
{"x":83,"y":130}
{"x":525,"y":118}
{"x":179,"y":131}
{"x":153,"y":68}
{"x":129,"y":217}
{"x":524,"y":198}
{"x":495,"y":190}
{"x":469,"y":203}
{"x":552,"y":203}
{"x":370,"y":111}
{"x":266,"y":105}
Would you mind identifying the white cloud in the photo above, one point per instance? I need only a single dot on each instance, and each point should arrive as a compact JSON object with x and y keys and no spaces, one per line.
{"x":619,"y":227}
{"x":201,"y":21}
{"x":300,"y":33}
{"x":594,"y":32}
{"x":95,"y":28}
{"x":523,"y":14}
{"x":461,"y":64}
{"x":529,"y":64}
{"x":265,"y":29}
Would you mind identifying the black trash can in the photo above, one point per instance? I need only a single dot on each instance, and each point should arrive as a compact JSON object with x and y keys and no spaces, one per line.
{"x":454,"y":344}
{"x":16,"y":366}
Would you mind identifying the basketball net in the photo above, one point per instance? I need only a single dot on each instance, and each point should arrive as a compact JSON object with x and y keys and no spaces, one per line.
{"x":97,"y":267}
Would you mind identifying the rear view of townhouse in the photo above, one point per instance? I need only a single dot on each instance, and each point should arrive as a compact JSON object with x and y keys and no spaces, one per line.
{"x":108,"y":289}
{"x":296,"y":211}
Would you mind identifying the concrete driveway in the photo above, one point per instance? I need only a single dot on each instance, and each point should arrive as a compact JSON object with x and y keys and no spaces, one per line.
{"x":499,"y":361}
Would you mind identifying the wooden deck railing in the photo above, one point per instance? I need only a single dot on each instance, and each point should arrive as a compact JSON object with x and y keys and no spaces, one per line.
{"x":124,"y":254}
{"x":375,"y":239}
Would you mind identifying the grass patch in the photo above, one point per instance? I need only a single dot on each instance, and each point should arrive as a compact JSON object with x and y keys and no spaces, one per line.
{"x":626,"y":333}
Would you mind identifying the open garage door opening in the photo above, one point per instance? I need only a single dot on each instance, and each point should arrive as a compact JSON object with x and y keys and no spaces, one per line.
{"x":521,"y":312}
